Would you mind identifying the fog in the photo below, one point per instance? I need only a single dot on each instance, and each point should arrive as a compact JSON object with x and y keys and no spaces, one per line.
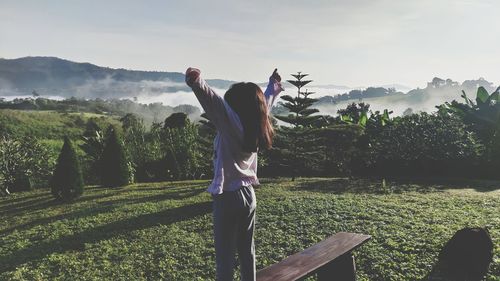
{"x":144,"y":91}
{"x":418,"y":100}
{"x":173,"y":98}
{"x":110,"y":87}
{"x":174,"y":93}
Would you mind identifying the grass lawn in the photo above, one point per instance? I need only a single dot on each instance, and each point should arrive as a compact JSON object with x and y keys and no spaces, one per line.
{"x":163,"y":231}
{"x":49,"y":125}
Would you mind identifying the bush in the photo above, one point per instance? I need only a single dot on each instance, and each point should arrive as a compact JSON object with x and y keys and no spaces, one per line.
{"x":343,"y":149}
{"x":67,"y":181}
{"x":424,"y":145}
{"x":25,"y":163}
{"x":115,"y":169}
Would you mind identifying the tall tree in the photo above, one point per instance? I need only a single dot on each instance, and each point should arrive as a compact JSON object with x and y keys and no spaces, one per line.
{"x":114,"y":165}
{"x":183,"y":153}
{"x":67,"y":181}
{"x":297,"y":145}
{"x":134,"y":134}
{"x":93,"y":146}
{"x":300,"y":106}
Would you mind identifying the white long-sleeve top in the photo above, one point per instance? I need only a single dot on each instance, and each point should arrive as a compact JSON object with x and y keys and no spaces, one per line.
{"x":233,"y":167}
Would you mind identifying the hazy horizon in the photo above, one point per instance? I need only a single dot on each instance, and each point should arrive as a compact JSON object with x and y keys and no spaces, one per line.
{"x":353,"y":43}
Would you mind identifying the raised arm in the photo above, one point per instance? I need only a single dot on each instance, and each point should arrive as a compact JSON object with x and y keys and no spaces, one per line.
{"x":274,"y":88}
{"x":217,"y":110}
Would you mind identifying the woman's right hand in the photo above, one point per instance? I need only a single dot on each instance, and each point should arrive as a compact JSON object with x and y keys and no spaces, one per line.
{"x":192,"y":74}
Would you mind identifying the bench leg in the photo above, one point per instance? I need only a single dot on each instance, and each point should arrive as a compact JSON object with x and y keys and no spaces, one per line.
{"x":341,"y":269}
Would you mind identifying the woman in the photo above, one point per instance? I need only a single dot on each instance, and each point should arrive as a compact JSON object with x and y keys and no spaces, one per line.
{"x":243,"y":126}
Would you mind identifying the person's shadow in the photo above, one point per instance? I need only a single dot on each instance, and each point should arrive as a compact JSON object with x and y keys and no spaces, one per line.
{"x":77,"y":241}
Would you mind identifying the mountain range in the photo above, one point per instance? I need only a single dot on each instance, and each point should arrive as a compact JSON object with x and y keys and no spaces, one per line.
{"x":52,"y":76}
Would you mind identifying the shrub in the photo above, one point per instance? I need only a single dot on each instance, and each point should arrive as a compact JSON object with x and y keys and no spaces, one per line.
{"x":343,"y":149}
{"x":424,"y":144}
{"x":482,"y":116}
{"x":25,"y":163}
{"x":67,"y":180}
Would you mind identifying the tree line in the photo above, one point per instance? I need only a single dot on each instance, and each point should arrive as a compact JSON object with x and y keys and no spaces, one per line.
{"x":460,"y":139}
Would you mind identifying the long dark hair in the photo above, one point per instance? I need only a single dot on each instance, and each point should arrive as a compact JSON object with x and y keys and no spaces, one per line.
{"x":248,"y":101}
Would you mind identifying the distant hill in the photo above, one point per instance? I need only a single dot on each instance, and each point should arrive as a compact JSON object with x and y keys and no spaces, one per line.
{"x":51,"y":76}
{"x":58,"y":77}
{"x":435,"y":93}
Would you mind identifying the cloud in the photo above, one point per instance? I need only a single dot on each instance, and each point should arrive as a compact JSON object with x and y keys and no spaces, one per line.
{"x":356,"y":42}
{"x":174,"y":98}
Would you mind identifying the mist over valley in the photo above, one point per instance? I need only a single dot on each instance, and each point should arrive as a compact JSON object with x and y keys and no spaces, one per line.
{"x":55,"y":78}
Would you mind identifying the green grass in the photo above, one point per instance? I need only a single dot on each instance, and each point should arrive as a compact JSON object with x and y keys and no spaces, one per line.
{"x":48,"y":124}
{"x":163,"y":231}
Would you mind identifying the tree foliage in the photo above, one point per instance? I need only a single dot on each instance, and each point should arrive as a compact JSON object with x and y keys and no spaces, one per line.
{"x":425,"y":144}
{"x":115,"y":168}
{"x":93,"y":146}
{"x":482,"y":116}
{"x":67,"y":181}
{"x":462,"y":138}
{"x":183,"y":154}
{"x":24,"y":162}
{"x":301,"y":113}
{"x":296,"y":146}
{"x":176,"y":120}
{"x":136,"y":146}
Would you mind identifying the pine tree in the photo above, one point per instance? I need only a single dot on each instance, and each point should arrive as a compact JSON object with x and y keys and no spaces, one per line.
{"x":300,"y":106}
{"x":298,"y":145}
{"x":67,"y":180}
{"x":114,"y":164}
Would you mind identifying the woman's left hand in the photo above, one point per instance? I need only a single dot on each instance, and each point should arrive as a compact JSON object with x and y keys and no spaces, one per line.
{"x":277,"y":86}
{"x":276,"y":75}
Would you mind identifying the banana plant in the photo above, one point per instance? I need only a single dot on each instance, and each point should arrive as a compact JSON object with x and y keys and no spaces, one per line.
{"x":383,"y":118}
{"x":486,"y":108}
{"x":483,"y":115}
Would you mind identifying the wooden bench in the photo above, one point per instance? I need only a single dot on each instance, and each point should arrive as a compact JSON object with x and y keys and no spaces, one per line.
{"x":330,"y":259}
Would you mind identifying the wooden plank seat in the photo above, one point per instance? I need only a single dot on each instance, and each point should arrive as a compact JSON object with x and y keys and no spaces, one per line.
{"x":330,"y":259}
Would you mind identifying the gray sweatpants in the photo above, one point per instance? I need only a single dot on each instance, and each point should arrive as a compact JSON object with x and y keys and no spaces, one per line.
{"x":234,"y":224}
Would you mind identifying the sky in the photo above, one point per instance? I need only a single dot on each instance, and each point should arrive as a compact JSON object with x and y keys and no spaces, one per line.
{"x":343,"y":42}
